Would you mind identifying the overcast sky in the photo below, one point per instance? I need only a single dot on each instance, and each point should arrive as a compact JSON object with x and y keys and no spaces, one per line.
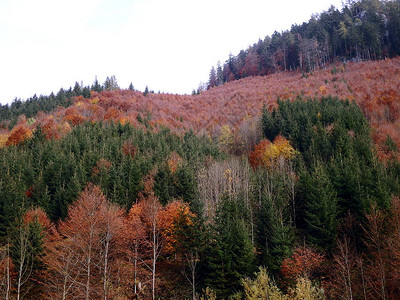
{"x":168,"y":45}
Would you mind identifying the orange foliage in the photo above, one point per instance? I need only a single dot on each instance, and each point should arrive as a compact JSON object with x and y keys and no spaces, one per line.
{"x":88,"y":255}
{"x":50,"y":130}
{"x":174,"y":211}
{"x":73,"y":116}
{"x":268,"y":154}
{"x":112,"y":114}
{"x":19,"y":134}
{"x":304,"y":262}
{"x":173,"y":162}
{"x":3,"y":139}
{"x":256,"y":156}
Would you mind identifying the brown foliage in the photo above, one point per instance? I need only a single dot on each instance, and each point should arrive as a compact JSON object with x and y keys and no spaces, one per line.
{"x":129,"y":149}
{"x":174,"y":162}
{"x":85,"y":262}
{"x":383,"y":260}
{"x":72,"y":116}
{"x":305,"y":262}
{"x":374,"y":85}
{"x":19,"y":134}
{"x":102,"y":165}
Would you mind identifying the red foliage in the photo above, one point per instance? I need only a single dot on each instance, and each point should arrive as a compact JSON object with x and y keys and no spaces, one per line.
{"x":129,"y":149}
{"x":305,"y":262}
{"x":19,"y":134}
{"x":29,"y":192}
{"x":73,"y":116}
{"x":374,"y":85}
{"x":40,"y":216}
{"x":256,"y":156}
{"x":102,"y":164}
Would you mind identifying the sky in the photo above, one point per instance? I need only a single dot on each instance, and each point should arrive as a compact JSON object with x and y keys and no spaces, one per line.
{"x":169,"y":45}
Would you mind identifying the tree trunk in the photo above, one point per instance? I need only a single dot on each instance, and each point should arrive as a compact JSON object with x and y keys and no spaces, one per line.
{"x":154,"y":265}
{"x":8,"y":273}
{"x":88,"y":270}
{"x":105,"y":280}
{"x":135,"y":270}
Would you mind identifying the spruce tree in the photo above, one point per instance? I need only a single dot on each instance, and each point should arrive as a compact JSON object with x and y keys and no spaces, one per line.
{"x":321,"y":208}
{"x":230,"y":255}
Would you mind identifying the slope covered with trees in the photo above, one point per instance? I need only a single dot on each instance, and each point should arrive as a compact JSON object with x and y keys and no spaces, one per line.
{"x":235,"y":107}
{"x":285,"y":186}
{"x":112,"y":211}
{"x":361,"y":30}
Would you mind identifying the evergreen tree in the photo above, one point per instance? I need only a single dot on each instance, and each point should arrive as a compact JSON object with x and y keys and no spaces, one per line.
{"x":274,"y":227}
{"x":230,"y":254}
{"x":212,"y":82}
{"x":146,"y":91}
{"x":96,"y":86}
{"x":321,"y":207}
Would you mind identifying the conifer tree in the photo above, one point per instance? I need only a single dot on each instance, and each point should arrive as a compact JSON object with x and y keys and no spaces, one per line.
{"x":230,"y":255}
{"x":321,"y":208}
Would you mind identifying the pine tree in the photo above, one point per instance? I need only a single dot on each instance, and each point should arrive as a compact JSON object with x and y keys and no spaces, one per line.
{"x":212,"y":82}
{"x":321,"y":208}
{"x":96,"y":86}
{"x":274,"y":225}
{"x":146,"y":91}
{"x":230,"y":256}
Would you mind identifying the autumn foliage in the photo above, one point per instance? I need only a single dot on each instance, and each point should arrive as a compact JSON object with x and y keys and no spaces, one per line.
{"x":19,"y":134}
{"x":268,"y":154}
{"x":373,"y":85}
{"x":305,"y":262}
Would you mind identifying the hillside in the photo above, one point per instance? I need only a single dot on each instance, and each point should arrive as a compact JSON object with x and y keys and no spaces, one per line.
{"x":373,"y":85}
{"x":360,"y":30}
{"x":289,"y":181}
{"x":279,"y":180}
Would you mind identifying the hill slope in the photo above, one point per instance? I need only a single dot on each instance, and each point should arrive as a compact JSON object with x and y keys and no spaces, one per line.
{"x":171,"y":199}
{"x":373,"y":85}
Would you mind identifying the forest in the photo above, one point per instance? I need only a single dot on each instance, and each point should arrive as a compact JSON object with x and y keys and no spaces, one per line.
{"x":282,"y":186}
{"x":361,"y":30}
{"x":106,"y":210}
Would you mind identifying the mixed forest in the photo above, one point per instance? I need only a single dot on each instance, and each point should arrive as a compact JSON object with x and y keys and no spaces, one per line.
{"x":361,"y":30}
{"x":283,"y":186}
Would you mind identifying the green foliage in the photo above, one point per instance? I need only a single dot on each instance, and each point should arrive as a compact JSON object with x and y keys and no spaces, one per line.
{"x":361,"y":30}
{"x":337,"y":166}
{"x":51,"y":173}
{"x":230,"y":255}
{"x":321,"y":208}
{"x":274,"y":226}
{"x":320,"y":128}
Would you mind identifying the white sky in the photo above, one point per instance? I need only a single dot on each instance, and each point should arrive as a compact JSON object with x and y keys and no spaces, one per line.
{"x":168,"y":45}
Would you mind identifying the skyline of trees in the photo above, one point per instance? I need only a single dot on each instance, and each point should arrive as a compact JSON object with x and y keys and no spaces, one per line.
{"x":361,"y":30}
